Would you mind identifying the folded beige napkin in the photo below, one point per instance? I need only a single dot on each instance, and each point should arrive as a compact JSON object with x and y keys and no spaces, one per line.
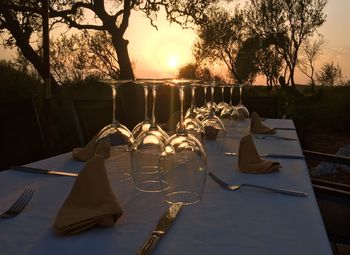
{"x":257,"y":127}
{"x":249,"y":160}
{"x":90,"y":203}
{"x":91,"y":148}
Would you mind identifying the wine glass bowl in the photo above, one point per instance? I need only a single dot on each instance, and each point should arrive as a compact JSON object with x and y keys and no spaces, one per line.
{"x":191,"y":123}
{"x":146,"y":149}
{"x":222,"y":104}
{"x":213,"y":122}
{"x":183,"y":162}
{"x":144,"y":162}
{"x":241,"y":109}
{"x":117,"y":136}
{"x":183,"y":166}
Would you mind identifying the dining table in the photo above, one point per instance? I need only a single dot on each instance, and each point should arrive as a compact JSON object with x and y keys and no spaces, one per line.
{"x":247,"y":221}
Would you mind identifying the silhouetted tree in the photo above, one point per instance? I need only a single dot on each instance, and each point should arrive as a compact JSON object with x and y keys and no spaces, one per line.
{"x":20,"y":26}
{"x":188,"y":71}
{"x":287,"y":24}
{"x":84,"y":54}
{"x":246,"y":61}
{"x":310,"y":52}
{"x":220,"y":38}
{"x":270,"y":64}
{"x":330,"y":75}
{"x":21,"y":18}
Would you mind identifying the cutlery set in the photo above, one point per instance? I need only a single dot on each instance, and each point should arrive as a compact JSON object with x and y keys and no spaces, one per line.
{"x":169,"y":216}
{"x":27,"y":194}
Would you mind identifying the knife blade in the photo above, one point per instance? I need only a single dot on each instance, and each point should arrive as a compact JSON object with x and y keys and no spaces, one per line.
{"x":162,"y":227}
{"x":268,"y":155}
{"x":35,"y":170}
{"x":262,"y":137}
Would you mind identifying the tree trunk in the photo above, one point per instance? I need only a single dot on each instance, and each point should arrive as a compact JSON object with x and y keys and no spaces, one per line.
{"x":22,"y":43}
{"x":291,"y":74}
{"x":37,"y":62}
{"x":121,"y":47}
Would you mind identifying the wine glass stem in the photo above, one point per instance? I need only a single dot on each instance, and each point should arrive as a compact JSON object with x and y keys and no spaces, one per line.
{"x":222,"y":94}
{"x":114,"y":95}
{"x":145,"y":89}
{"x":240,"y":95}
{"x":182,"y":95}
{"x":205,"y":96}
{"x":212,"y":96}
{"x":231,"y":92}
{"x":193,"y":101}
{"x":154,"y":93}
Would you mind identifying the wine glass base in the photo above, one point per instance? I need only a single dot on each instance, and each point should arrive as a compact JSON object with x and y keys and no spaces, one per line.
{"x":186,"y":197}
{"x":152,"y":186}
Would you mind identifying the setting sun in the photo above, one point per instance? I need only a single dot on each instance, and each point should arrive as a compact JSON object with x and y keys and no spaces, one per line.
{"x":173,"y":62}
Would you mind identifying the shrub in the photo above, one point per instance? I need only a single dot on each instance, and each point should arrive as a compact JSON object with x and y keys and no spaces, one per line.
{"x":15,"y":84}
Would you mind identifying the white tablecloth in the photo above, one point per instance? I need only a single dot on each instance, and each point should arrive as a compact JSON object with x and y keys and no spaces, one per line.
{"x":247,"y":221}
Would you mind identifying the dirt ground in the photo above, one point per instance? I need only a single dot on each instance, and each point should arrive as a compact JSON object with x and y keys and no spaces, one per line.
{"x":328,"y":143}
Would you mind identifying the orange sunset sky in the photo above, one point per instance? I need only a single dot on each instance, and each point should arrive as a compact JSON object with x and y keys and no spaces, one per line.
{"x":159,"y":53}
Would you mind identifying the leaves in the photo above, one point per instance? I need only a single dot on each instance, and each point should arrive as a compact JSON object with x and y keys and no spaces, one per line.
{"x":220,"y":36}
{"x":287,"y":24}
{"x":82,"y":55}
{"x":330,"y":75}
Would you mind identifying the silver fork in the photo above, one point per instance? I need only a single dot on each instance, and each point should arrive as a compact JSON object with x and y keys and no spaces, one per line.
{"x":19,"y":205}
{"x":236,"y":187}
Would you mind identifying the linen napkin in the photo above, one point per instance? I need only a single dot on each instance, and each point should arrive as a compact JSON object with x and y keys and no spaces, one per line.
{"x":90,"y":203}
{"x":91,"y":148}
{"x":257,"y":127}
{"x":249,"y":160}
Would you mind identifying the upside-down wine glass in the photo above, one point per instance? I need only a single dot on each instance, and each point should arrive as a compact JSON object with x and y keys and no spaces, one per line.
{"x":212,"y":120}
{"x":191,"y":123}
{"x":211,"y":104}
{"x":118,"y":136}
{"x":242,"y":110}
{"x":146,"y":150}
{"x":229,"y":113}
{"x":222,"y":104}
{"x":204,"y":110}
{"x":193,"y":110}
{"x":183,"y":162}
{"x":146,"y":123}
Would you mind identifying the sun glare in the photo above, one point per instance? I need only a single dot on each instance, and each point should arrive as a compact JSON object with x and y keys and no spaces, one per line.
{"x":173,"y":62}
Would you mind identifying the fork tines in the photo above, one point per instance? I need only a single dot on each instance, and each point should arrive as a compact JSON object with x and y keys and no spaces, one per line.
{"x":19,"y":205}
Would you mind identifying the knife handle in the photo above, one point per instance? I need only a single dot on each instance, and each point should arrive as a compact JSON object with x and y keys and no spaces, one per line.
{"x":149,"y":246}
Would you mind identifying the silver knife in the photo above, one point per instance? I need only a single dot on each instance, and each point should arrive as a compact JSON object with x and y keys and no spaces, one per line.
{"x":162,"y":227}
{"x":275,"y":137}
{"x":271,"y":155}
{"x":35,"y":170}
